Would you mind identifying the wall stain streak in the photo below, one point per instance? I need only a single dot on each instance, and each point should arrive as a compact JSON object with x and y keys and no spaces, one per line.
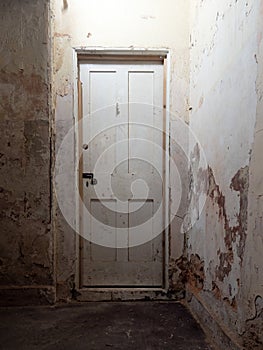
{"x":239,"y":183}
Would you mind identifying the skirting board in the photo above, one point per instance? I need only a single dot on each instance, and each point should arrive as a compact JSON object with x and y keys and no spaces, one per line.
{"x":218,"y":336}
{"x":27,"y":295}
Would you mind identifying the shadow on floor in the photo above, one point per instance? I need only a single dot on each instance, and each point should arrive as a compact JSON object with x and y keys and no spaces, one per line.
{"x":96,"y":326}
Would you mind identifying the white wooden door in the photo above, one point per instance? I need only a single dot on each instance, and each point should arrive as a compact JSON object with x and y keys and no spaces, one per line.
{"x":123,"y":149}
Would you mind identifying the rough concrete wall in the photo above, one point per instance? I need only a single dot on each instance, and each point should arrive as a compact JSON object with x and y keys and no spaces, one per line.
{"x":225,"y":246}
{"x":26,"y":269}
{"x":139,"y":24}
{"x":225,"y":94}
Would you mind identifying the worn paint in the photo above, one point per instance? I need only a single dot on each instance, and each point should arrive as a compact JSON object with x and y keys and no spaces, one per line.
{"x":227,"y":117}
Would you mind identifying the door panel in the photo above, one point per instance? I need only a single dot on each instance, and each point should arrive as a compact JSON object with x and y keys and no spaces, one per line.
{"x":122,"y":125}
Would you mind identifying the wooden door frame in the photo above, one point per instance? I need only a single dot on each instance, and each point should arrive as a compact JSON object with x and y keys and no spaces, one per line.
{"x":95,"y":53}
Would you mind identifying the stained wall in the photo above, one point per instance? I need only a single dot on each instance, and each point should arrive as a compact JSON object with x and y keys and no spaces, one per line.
{"x":26,"y":246}
{"x":224,"y":246}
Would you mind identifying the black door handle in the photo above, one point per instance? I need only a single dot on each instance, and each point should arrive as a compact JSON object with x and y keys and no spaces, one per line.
{"x":89,"y":176}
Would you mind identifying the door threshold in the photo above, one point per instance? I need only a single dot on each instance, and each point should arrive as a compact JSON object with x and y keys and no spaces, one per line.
{"x":122,"y":294}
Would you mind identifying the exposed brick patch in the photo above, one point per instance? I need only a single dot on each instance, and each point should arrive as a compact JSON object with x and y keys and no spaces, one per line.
{"x":178,"y":276}
{"x":196,"y":275}
{"x":185,"y":270}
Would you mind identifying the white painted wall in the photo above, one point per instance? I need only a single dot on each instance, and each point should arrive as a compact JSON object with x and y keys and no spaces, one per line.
{"x":118,"y":23}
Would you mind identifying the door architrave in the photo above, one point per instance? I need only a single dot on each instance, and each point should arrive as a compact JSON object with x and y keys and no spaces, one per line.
{"x":121,"y":54}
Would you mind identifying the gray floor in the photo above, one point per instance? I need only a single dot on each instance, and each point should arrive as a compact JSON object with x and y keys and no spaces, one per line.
{"x":95,"y":326}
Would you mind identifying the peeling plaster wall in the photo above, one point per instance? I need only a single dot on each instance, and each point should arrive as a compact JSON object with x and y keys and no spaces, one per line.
{"x":26,"y":247}
{"x":111,"y":24}
{"x":225,"y":95}
{"x":252,"y":269}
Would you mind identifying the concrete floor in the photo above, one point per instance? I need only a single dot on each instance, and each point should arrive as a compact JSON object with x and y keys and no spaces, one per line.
{"x":96,"y":326}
